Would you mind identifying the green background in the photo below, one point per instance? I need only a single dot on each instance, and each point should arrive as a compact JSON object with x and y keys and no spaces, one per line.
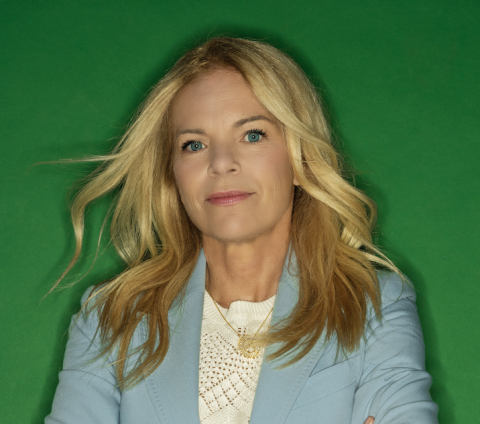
{"x":399,"y":78}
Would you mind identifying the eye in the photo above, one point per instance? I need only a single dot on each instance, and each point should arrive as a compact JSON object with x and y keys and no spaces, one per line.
{"x":254,"y":136}
{"x":193,"y":146}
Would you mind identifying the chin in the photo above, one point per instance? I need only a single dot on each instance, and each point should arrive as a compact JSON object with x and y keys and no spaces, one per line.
{"x":235,"y":233}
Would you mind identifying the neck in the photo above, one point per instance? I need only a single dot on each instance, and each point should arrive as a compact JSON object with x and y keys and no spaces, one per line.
{"x":245,"y":271}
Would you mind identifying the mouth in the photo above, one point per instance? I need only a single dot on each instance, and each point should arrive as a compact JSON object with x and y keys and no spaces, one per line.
{"x":227,"y":198}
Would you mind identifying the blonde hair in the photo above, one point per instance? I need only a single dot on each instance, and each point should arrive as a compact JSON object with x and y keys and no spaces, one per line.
{"x":331,"y":221}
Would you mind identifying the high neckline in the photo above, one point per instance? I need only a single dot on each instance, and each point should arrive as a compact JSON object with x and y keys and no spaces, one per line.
{"x":242,"y":308}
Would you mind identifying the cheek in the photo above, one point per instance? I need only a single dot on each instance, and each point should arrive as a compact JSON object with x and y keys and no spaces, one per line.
{"x":184,"y":180}
{"x":282,"y":190}
{"x":278,"y":175}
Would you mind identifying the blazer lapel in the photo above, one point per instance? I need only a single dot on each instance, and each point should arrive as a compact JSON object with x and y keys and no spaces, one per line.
{"x":174,"y":385}
{"x":278,"y":389}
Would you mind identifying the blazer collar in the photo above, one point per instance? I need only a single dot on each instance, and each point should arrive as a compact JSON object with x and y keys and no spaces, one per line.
{"x":175,"y":382}
{"x":278,"y":388}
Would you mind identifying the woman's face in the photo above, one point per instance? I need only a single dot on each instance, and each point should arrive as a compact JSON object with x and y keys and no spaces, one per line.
{"x":230,"y":160}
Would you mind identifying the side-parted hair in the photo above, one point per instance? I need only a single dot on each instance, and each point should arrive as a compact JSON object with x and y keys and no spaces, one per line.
{"x":331,"y":221}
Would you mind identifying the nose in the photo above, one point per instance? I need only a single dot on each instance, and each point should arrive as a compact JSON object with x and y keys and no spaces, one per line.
{"x":223,"y":160}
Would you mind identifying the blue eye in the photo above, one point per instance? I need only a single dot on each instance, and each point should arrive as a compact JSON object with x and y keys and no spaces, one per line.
{"x":254,"y":136}
{"x":193,"y":146}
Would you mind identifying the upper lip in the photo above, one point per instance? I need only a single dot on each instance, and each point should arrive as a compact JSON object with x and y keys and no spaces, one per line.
{"x":229,"y":193}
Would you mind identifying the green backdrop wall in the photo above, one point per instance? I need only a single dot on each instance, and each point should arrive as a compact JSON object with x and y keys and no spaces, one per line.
{"x":400,"y":80}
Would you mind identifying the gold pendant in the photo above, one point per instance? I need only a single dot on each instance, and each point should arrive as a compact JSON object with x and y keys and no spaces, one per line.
{"x":252,"y":351}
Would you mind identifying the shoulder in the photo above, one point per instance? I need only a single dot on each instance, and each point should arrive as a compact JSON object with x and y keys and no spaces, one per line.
{"x":84,"y":324}
{"x":89,"y":307}
{"x":396,"y":291}
{"x":394,"y":287}
{"x":87,"y":294}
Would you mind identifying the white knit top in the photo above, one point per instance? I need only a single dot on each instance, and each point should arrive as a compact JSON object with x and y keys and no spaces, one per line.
{"x":227,"y":380}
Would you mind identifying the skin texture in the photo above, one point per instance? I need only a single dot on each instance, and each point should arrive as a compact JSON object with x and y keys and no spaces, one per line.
{"x":245,"y":243}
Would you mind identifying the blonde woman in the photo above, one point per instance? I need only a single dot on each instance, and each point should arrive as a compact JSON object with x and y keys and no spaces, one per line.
{"x":252,"y":291}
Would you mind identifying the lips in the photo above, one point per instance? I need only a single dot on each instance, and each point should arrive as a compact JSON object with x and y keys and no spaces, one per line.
{"x":227,"y":198}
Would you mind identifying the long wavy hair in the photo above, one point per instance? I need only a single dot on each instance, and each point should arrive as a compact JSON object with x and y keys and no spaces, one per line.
{"x":151,"y":231}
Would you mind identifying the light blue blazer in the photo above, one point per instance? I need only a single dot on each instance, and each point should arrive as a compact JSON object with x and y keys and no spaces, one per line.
{"x":385,"y":377}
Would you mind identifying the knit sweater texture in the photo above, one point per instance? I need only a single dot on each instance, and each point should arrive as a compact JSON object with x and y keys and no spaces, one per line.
{"x":227,"y":379}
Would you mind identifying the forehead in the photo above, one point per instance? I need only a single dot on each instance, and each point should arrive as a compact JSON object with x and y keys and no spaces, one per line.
{"x":220,"y":94}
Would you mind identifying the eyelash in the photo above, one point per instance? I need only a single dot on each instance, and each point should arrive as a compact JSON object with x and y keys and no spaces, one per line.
{"x":187,"y":143}
{"x":255,"y":131}
{"x":252,"y":131}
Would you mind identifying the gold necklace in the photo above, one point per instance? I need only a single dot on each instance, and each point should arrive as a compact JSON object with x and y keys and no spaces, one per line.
{"x":253,"y":351}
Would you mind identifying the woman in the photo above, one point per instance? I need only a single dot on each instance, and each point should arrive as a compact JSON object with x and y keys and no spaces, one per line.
{"x":251,"y":273}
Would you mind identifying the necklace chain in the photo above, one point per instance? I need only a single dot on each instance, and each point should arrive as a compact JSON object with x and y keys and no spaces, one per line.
{"x":255,"y":350}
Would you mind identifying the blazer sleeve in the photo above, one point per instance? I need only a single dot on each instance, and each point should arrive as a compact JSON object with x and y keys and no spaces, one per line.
{"x":87,"y":391}
{"x":394,"y":386}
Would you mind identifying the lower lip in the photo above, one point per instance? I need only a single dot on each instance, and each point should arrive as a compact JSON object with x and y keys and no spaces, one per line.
{"x":231,"y":200}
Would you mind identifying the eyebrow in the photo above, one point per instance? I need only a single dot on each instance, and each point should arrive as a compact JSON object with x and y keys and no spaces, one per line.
{"x":237,"y":124}
{"x":188,"y":131}
{"x":251,"y":119}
